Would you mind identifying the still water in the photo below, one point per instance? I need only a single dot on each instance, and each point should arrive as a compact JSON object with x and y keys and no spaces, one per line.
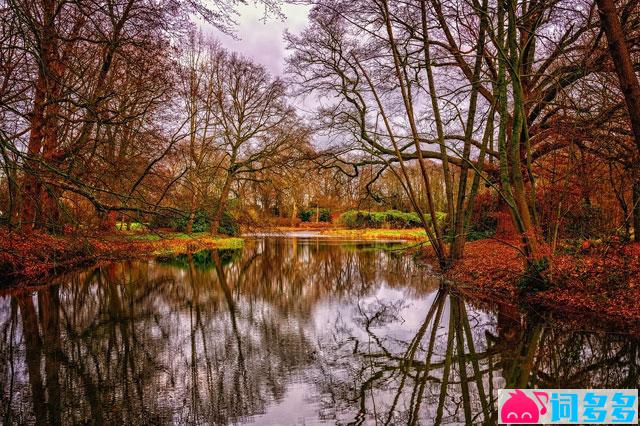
{"x":284,"y":331}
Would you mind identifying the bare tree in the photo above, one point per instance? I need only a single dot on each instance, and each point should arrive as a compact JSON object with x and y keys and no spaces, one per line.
{"x":630,"y":87}
{"x":251,"y":124}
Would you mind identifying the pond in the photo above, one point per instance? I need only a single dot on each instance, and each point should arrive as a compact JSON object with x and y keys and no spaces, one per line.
{"x":283,"y":331}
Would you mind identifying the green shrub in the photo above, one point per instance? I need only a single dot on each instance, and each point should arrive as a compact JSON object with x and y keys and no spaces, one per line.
{"x":201,"y":223}
{"x":133,"y":226}
{"x":229,"y":225}
{"x":474,"y":235}
{"x":535,"y":278}
{"x":393,"y":219}
{"x":305,"y":215}
{"x":325,"y":215}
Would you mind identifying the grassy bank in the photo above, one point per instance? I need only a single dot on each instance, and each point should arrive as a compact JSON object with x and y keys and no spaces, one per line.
{"x":33,"y":256}
{"x":178,"y":243}
{"x":416,"y":234}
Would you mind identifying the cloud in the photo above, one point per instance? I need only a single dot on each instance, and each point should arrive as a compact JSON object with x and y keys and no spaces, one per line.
{"x":260,"y":38}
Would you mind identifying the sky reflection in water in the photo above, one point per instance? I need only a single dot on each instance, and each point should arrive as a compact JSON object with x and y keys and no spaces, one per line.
{"x":285,"y":331}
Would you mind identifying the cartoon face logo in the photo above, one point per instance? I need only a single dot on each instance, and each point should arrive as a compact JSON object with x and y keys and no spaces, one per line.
{"x":519,"y":408}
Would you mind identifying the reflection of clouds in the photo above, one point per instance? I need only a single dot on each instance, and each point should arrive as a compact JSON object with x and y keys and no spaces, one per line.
{"x":373,"y":364}
{"x":327,"y":332}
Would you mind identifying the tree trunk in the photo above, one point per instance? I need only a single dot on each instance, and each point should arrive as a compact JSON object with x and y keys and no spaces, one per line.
{"x":636,"y":208}
{"x":192,"y":215}
{"x":31,"y":186}
{"x":189,"y":229}
{"x":465,"y":200}
{"x":622,"y":63}
{"x":629,"y":85}
{"x":40,"y":205}
{"x":222,"y":205}
{"x":10,"y":171}
{"x":447,"y":175}
{"x":294,"y":212}
{"x":438,"y":241}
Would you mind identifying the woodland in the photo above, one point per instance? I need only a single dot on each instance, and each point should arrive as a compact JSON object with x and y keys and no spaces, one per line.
{"x":503,"y":137}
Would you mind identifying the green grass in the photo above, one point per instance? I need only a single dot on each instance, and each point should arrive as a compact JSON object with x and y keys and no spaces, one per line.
{"x":379,"y":234}
{"x":171,"y":243}
{"x":144,"y":237}
{"x":133,"y":227}
{"x":390,"y":219}
{"x":157,"y":236}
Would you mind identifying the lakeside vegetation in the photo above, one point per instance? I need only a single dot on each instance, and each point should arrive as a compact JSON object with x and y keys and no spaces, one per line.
{"x":316,"y":211}
{"x":411,"y":234}
{"x":137,"y":128}
{"x":35,"y":257}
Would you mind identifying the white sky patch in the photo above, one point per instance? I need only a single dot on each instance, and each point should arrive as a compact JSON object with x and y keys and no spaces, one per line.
{"x":261,"y":39}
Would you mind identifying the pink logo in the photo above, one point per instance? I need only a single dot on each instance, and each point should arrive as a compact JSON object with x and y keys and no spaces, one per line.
{"x":519,"y":408}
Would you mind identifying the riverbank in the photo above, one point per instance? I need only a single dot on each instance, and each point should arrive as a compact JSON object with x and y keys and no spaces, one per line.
{"x":378,"y":234}
{"x":413,"y":234}
{"x":33,"y":256}
{"x":599,"y":283}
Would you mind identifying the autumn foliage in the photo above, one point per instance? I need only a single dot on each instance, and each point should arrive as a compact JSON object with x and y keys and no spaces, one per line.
{"x":601,"y":282}
{"x":33,"y":256}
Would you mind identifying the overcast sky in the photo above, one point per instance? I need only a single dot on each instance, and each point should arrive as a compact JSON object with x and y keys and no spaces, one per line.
{"x":262,"y":40}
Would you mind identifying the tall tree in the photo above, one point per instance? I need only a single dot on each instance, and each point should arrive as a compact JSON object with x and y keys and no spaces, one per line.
{"x":630,"y":87}
{"x":252,"y":125}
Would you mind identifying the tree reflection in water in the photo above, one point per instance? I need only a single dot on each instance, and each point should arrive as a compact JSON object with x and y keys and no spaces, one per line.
{"x":283,"y":331}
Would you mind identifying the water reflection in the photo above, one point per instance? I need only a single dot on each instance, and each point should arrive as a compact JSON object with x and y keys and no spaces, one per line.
{"x":284,"y":331}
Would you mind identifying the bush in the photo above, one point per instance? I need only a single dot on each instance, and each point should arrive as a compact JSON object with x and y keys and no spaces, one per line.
{"x":394,"y":219}
{"x":305,"y":215}
{"x":132,"y":226}
{"x":229,"y":225}
{"x":178,"y":222}
{"x":325,"y":215}
{"x":200,"y":222}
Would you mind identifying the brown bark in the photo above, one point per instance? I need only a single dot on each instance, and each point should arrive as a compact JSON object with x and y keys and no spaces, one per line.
{"x":32,"y":185}
{"x":622,"y":63}
{"x":222,"y":205}
{"x":189,"y":228}
{"x":636,"y":209}
{"x":39,"y":205}
{"x":628,"y":84}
